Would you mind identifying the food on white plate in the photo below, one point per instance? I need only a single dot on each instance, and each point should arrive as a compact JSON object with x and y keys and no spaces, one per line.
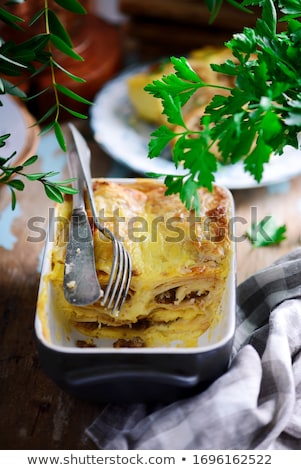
{"x":149,"y":108}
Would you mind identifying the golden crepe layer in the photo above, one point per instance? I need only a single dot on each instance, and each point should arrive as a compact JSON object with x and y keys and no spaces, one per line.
{"x":180,"y":264}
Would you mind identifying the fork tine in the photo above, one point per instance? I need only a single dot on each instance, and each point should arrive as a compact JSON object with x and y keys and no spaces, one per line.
{"x":124,"y":283}
{"x":114,"y":270}
{"x":118,"y":276}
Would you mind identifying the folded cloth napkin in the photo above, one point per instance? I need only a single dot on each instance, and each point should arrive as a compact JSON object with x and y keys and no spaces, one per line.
{"x":256,"y":404}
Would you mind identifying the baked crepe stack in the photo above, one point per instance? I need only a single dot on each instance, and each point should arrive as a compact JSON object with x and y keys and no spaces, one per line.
{"x":180,"y":264}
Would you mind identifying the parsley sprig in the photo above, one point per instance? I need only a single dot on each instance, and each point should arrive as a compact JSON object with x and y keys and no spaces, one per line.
{"x":266,"y":233}
{"x":259,"y":116}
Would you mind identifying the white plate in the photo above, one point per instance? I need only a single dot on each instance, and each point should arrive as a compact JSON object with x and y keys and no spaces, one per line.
{"x":16,"y":121}
{"x":125,"y":137}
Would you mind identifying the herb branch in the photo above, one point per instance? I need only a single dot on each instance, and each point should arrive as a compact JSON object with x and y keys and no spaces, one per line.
{"x":34,"y":55}
{"x":259,"y":115}
{"x":53,"y":189}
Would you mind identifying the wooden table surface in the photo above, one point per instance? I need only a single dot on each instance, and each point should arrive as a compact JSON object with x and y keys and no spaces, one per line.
{"x":35,"y":413}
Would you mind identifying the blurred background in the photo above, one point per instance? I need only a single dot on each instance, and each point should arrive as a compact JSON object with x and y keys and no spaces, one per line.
{"x":116,"y":33}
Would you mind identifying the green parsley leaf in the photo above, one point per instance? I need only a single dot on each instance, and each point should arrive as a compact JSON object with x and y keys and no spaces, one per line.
{"x":266,"y":233}
{"x":160,"y":139}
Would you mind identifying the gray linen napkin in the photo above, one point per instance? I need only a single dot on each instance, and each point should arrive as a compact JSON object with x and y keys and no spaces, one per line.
{"x":256,"y":404}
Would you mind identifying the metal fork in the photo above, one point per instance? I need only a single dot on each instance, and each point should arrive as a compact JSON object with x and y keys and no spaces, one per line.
{"x":119,"y":281}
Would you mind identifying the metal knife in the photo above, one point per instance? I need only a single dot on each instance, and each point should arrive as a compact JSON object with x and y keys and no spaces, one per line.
{"x":81,"y":285}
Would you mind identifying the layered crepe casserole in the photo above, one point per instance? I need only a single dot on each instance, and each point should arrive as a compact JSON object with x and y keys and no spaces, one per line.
{"x":180,"y":264}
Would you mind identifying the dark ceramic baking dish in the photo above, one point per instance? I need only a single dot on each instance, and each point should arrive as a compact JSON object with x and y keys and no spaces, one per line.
{"x":105,"y":374}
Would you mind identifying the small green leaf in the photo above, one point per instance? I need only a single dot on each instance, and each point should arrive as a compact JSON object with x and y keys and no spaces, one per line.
{"x":35,"y":44}
{"x":60,"y":136}
{"x":53,"y":193}
{"x":175,"y":86}
{"x":266,"y":233}
{"x":245,"y":42}
{"x":189,"y":195}
{"x":63,"y":47}
{"x":214,"y":7}
{"x":36,"y":16}
{"x":174,"y":184}
{"x":31,"y":160}
{"x":11,"y":61}
{"x":10,"y":19}
{"x":51,"y":174}
{"x":160,"y":138}
{"x":291,"y":7}
{"x":44,"y":118}
{"x":74,"y":113}
{"x":16,"y":184}
{"x":255,"y":161}
{"x":46,"y":128}
{"x":3,"y":138}
{"x":151,"y":174}
{"x":72,"y":5}
{"x":69,"y":74}
{"x":36,"y":95}
{"x":269,"y":17}
{"x":12,"y":89}
{"x":35,"y":176}
{"x":13,"y":199}
{"x":270,"y":126}
{"x":66,"y":189}
{"x":184,"y":70}
{"x":58,"y":29}
{"x":72,"y":94}
{"x":65,"y":182}
{"x":172,"y":109}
